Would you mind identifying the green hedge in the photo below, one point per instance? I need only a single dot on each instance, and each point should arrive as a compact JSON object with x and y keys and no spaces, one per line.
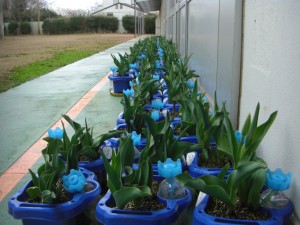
{"x":80,"y":24}
{"x":150,"y":24}
{"x":128,"y":24}
{"x":13,"y":28}
{"x":25,"y":28}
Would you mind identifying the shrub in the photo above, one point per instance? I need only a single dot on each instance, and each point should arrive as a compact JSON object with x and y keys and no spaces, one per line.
{"x":128,"y":23}
{"x":48,"y":27}
{"x":150,"y":24}
{"x":61,"y":26}
{"x":77,"y":24}
{"x":111,"y":23}
{"x":91,"y":23}
{"x":25,"y":28}
{"x":13,"y":27}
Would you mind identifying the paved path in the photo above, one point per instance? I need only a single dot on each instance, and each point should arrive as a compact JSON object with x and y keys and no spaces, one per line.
{"x":80,"y":89}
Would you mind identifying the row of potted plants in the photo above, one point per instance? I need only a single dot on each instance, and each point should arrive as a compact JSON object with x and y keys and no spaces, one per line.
{"x":166,"y":126}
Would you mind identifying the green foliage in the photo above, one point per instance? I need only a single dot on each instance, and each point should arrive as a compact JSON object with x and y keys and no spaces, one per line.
{"x":80,"y":24}
{"x":125,"y":183}
{"x":56,"y":26}
{"x":48,"y":27}
{"x":13,"y":28}
{"x":208,"y":123}
{"x":246,"y":181}
{"x":178,"y":75}
{"x":128,"y":23}
{"x":134,"y":108}
{"x":25,"y":28}
{"x":77,"y":24}
{"x":83,"y":143}
{"x":165,"y":144}
{"x":122,"y":63}
{"x":110,"y":24}
{"x":44,"y":188}
{"x":150,"y":24}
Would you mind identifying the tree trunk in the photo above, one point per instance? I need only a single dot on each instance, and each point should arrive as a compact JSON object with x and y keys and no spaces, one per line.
{"x":1,"y":20}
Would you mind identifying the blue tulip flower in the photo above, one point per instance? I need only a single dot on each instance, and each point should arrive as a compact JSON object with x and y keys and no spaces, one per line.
{"x":154,"y":76}
{"x":277,"y":180}
{"x":74,"y":182}
{"x":128,"y":92}
{"x":238,"y":136}
{"x":57,"y":133}
{"x":155,"y":115}
{"x":113,"y":68}
{"x":169,"y":168}
{"x":190,"y":84}
{"x":157,"y":104}
{"x":133,"y":66}
{"x":136,"y":138}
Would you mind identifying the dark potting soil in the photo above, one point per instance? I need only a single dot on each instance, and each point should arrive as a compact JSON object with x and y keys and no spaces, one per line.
{"x":150,"y":203}
{"x":219,"y":162}
{"x":219,"y":209}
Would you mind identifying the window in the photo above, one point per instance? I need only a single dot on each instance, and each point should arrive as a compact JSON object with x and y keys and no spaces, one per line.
{"x":121,"y":6}
{"x":110,"y":14}
{"x":117,"y":6}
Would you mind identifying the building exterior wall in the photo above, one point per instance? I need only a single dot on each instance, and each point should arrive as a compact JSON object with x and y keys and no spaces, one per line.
{"x":119,"y":13}
{"x":210,"y":31}
{"x":263,"y":67}
{"x":270,"y":75}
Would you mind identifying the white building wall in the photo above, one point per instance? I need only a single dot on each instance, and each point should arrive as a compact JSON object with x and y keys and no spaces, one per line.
{"x":119,"y":13}
{"x":271,"y":76}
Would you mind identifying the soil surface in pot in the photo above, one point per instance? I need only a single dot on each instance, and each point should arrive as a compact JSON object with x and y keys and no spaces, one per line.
{"x":62,"y":198}
{"x":219,"y":209}
{"x":150,"y":203}
{"x":217,"y":162}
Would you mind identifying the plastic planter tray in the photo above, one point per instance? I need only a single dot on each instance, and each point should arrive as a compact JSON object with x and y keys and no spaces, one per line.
{"x":52,"y":214}
{"x":108,"y":215}
{"x":277,"y":216}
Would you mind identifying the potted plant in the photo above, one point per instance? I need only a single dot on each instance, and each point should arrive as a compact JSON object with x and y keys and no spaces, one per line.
{"x":240,"y":191}
{"x":58,"y":193}
{"x":119,"y":75}
{"x":87,"y":151}
{"x":207,"y":126}
{"x":131,"y":191}
{"x":178,"y":75}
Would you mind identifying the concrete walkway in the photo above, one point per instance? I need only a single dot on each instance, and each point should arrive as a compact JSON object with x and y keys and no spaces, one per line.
{"x":80,"y":89}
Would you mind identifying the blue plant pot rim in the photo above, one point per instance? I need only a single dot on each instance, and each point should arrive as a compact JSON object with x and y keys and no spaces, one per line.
{"x":277,"y":216}
{"x":120,"y":78}
{"x":93,"y":166}
{"x":169,"y":214}
{"x":21,"y":209}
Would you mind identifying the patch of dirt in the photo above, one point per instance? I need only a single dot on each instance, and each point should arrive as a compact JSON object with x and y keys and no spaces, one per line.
{"x":219,"y":209}
{"x":22,"y":50}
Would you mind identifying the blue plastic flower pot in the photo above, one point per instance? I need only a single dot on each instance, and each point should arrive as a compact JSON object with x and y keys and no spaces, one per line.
{"x":197,"y":171}
{"x":277,"y":216}
{"x":106,"y":214}
{"x":120,"y":119}
{"x":120,"y":83}
{"x":93,"y":166}
{"x":52,"y":214}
